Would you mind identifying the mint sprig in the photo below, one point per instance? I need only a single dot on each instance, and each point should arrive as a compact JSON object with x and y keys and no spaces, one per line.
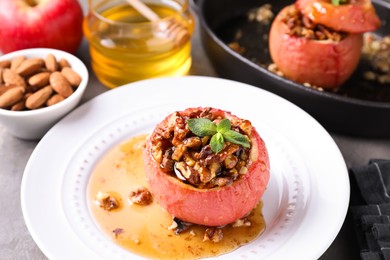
{"x":339,"y":2}
{"x":202,"y":126}
{"x":219,"y":133}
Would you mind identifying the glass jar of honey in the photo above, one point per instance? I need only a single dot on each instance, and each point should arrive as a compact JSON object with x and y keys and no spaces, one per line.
{"x":125,"y":46}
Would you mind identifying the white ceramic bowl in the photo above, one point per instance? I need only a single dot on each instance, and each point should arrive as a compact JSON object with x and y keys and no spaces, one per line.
{"x":33,"y":124}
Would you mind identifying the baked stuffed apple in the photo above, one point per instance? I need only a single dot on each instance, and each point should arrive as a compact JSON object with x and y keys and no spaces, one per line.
{"x":312,"y":53}
{"x":206,"y":166}
{"x":319,"y":42}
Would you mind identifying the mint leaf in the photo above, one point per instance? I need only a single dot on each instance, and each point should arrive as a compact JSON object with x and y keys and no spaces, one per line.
{"x":205,"y":127}
{"x":335,"y":2}
{"x":236,"y":138}
{"x":216,"y":143}
{"x":202,"y":126}
{"x":339,"y":2}
{"x":224,"y":126}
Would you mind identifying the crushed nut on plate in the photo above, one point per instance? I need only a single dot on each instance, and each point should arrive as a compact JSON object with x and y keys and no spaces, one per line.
{"x":213,"y":234}
{"x":106,"y":201}
{"x":141,"y":196}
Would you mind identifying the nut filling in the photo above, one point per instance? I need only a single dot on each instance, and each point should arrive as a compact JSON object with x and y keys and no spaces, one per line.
{"x":302,"y":26}
{"x":190,"y":159}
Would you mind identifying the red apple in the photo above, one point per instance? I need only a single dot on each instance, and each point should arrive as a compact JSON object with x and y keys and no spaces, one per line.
{"x":53,"y":24}
{"x":323,"y":63}
{"x":358,"y":16}
{"x":215,"y":206}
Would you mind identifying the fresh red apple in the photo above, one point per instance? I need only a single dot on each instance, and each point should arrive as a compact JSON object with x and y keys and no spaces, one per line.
{"x":215,"y":206}
{"x":323,"y":63}
{"x":40,"y":23}
{"x":357,"y":16}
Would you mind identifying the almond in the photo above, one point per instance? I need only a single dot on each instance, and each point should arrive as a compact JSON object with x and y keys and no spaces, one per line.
{"x":11,"y":96}
{"x":51,"y":63}
{"x":63,"y":63}
{"x":10,"y":77}
{"x":29,"y":67}
{"x":72,"y":76}
{"x":39,"y":98}
{"x":60,"y":84}
{"x":5,"y":64}
{"x":1,"y":75}
{"x":54,"y":100}
{"x":4,"y":88}
{"x":19,"y":106}
{"x":39,"y":80}
{"x":29,"y":83}
{"x":16,"y":62}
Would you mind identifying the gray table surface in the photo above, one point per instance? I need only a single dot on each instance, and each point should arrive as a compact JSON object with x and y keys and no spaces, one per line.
{"x":17,"y":243}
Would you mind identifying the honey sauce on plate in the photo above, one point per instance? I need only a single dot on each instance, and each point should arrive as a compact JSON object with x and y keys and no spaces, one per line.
{"x":144,"y":230}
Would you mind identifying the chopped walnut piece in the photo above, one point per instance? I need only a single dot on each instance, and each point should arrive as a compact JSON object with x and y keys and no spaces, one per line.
{"x":167,"y":164}
{"x":263,"y":14}
{"x":369,"y":75}
{"x":222,"y":181}
{"x":242,"y":222}
{"x":205,"y":175}
{"x":376,"y":50}
{"x":193,"y":142}
{"x":384,"y":79}
{"x":213,"y":234}
{"x":229,"y":149}
{"x":243,"y":170}
{"x":189,"y":160}
{"x":246,"y":127}
{"x":235,"y":46}
{"x":157,"y":152}
{"x":141,"y":196}
{"x":180,"y":149}
{"x":206,"y":113}
{"x":204,"y":152}
{"x":275,"y":69}
{"x":215,"y":169}
{"x":106,"y":201}
{"x":180,"y":130}
{"x":230,"y":161}
{"x":185,"y":170}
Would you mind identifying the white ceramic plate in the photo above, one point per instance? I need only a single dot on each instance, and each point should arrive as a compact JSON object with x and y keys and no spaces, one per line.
{"x":307,"y":197}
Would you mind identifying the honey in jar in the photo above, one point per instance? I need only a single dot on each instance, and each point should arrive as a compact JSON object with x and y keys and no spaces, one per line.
{"x":126,"y":47}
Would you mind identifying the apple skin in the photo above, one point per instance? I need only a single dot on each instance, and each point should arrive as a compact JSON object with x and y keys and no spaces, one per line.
{"x":53,"y":24}
{"x":324,"y":64}
{"x":210,"y":207}
{"x":358,"y":17}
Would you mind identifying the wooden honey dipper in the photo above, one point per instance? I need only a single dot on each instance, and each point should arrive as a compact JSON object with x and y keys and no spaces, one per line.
{"x":170,"y":28}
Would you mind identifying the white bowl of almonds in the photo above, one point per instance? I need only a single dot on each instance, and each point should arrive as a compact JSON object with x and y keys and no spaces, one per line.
{"x":37,"y":88}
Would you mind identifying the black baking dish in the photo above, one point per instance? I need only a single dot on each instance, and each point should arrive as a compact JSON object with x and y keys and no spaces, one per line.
{"x":351,"y":115}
